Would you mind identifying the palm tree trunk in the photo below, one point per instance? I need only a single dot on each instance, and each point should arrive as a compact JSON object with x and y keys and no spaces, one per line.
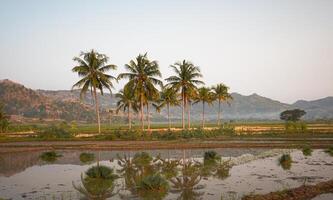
{"x":129,"y":116}
{"x":97,"y":110}
{"x":203,"y":115}
{"x":219,"y":116}
{"x":142,"y":113}
{"x":168,"y":107}
{"x":188,"y":114}
{"x":183,"y":111}
{"x":148,"y":117}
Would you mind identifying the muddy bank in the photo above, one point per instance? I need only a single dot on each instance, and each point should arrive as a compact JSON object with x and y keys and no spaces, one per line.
{"x":300,"y":193}
{"x":137,"y":145}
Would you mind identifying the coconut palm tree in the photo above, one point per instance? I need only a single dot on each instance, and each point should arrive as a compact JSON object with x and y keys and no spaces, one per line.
{"x":92,"y":67}
{"x":143,"y":77}
{"x":205,"y":95}
{"x":127,"y":102}
{"x":168,"y":97}
{"x":221,"y":94}
{"x":185,"y":81}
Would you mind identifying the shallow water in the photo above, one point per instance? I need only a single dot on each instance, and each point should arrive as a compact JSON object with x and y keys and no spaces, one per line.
{"x":26,"y":176}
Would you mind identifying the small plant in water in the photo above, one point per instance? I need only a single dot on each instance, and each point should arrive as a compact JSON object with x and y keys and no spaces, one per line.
{"x":87,"y":158}
{"x":285,"y":161}
{"x":307,"y":151}
{"x":329,"y":151}
{"x":153,"y":187}
{"x":142,"y":159}
{"x":211,"y":155}
{"x":50,"y":156}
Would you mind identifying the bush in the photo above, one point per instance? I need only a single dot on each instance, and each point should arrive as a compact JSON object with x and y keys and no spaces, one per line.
{"x":307,"y":151}
{"x":211,"y":155}
{"x":295,"y":127}
{"x":142,"y":159}
{"x":53,"y":132}
{"x":50,"y":156}
{"x":153,"y":187}
{"x":285,"y":161}
{"x":101,"y":171}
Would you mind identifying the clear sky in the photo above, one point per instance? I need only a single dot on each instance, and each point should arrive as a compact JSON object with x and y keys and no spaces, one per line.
{"x":281,"y":49}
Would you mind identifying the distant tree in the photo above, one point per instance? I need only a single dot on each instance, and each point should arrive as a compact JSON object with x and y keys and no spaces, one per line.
{"x":127,"y":101}
{"x":292,"y":115}
{"x":92,"y":67}
{"x":186,"y":81}
{"x":143,"y":76}
{"x":221,"y":94}
{"x":168,"y":97}
{"x":4,"y":120}
{"x":205,"y":95}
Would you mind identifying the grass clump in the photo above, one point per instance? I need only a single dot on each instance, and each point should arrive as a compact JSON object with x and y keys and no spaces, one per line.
{"x":142,"y":159}
{"x":87,"y":158}
{"x":101,"y":171}
{"x":50,"y":156}
{"x":285,"y":161}
{"x":211,"y":155}
{"x":153,"y":187}
{"x":307,"y":151}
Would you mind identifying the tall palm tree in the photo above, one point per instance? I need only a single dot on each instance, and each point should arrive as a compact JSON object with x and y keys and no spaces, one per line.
{"x":127,"y":101}
{"x":92,"y":67}
{"x":205,"y":95}
{"x":143,"y":77}
{"x":168,"y":98}
{"x":221,"y":94}
{"x":185,"y":81}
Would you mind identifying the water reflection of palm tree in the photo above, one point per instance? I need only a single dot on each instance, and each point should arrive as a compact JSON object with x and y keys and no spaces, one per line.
{"x":187,"y":183}
{"x":142,"y":176}
{"x":97,"y":183}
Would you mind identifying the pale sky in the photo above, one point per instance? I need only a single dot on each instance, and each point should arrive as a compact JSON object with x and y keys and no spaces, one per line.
{"x":281,"y":49}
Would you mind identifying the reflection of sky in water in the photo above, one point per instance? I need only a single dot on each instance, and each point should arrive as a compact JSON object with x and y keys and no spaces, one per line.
{"x":34,"y":178}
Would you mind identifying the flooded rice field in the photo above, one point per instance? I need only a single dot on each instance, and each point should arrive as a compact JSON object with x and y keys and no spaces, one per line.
{"x":159,"y":174}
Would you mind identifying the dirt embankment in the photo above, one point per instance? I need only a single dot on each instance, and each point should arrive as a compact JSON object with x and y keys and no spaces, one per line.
{"x":177,"y":144}
{"x":301,"y":193}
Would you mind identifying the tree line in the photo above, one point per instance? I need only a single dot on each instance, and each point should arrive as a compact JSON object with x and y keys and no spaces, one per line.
{"x":145,"y":89}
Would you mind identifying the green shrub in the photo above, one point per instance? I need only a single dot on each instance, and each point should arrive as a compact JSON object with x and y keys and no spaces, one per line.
{"x":101,"y":171}
{"x":153,"y":187}
{"x":285,"y":161}
{"x":53,"y":131}
{"x":295,"y":127}
{"x":50,"y":156}
{"x":211,"y":155}
{"x":142,"y":159}
{"x":307,"y":151}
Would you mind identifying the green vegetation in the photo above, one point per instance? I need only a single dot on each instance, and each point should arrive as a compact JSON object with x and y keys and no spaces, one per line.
{"x":87,"y":158}
{"x":204,"y":95}
{"x":97,"y":183}
{"x":153,"y":187}
{"x":307,"y":151}
{"x":185,"y":81}
{"x":55,"y":132}
{"x":4,"y":120}
{"x":92,"y":69}
{"x":50,"y":156}
{"x":285,"y":161}
{"x":143,"y":77}
{"x":221,"y":94}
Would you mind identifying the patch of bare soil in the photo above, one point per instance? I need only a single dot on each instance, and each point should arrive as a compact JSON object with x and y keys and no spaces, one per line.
{"x":305,"y":192}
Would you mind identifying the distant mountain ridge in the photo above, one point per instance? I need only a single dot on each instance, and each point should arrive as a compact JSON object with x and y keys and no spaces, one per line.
{"x":67,"y":105}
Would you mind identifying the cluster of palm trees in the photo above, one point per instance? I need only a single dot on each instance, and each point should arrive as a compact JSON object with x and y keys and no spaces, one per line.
{"x":141,"y":91}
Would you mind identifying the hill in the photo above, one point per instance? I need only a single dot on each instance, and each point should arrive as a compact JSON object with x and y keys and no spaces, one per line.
{"x":67,"y":105}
